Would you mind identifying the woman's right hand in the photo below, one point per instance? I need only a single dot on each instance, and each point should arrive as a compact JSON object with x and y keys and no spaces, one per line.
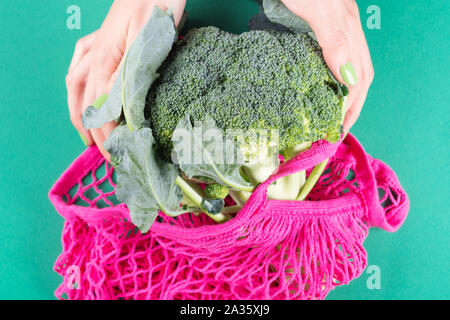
{"x":338,"y":29}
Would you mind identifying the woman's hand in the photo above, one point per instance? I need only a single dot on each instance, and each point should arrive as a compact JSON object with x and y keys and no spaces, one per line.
{"x":338,"y":29}
{"x":98,"y":57}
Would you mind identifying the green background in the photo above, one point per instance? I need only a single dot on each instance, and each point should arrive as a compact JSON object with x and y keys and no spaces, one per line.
{"x":404,"y":122}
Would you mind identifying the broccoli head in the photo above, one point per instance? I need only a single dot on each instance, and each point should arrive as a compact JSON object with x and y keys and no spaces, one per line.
{"x":255,"y":80}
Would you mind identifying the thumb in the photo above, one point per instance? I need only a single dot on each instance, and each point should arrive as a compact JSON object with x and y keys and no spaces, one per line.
{"x":336,"y":52}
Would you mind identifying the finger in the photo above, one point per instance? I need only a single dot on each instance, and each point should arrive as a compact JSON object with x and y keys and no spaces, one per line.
{"x":99,"y":139}
{"x":107,"y":128}
{"x":90,"y":90}
{"x":109,"y":51}
{"x":99,"y":81}
{"x":353,"y":97}
{"x":82,"y":47}
{"x":177,"y":7}
{"x":104,"y":68}
{"x":364,"y":69}
{"x":103,"y":86}
{"x":333,"y":38}
{"x":357,"y":96}
{"x":336,"y":55}
{"x":75,"y":82}
{"x":145,"y":11}
{"x":98,"y":134}
{"x":113,"y":79}
{"x":354,"y":111}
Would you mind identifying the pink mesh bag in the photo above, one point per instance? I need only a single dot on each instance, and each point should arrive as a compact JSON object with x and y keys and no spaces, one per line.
{"x":272,"y":249}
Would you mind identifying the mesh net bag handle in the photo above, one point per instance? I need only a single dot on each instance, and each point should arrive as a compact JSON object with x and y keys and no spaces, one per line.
{"x":373,"y":176}
{"x":272,"y":249}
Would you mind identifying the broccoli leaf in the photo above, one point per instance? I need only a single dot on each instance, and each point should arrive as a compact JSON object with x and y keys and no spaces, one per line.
{"x":203,"y":158}
{"x":277,"y":12}
{"x":260,"y":21}
{"x":145,"y":182}
{"x":145,"y":56}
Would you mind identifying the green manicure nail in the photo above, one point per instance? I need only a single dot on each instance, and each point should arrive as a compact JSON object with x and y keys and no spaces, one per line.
{"x":348,"y":74}
{"x":100,"y":101}
{"x":83,"y":139}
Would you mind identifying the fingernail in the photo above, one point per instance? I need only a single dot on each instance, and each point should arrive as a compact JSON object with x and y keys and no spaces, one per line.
{"x":100,"y":101}
{"x":348,"y":74}
{"x":83,"y":138}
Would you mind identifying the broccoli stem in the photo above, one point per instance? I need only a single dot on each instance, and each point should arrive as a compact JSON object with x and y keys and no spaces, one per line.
{"x":100,"y":101}
{"x":240,"y":197}
{"x":290,"y":153}
{"x":312,"y":180}
{"x":285,"y":188}
{"x":231,"y":209}
{"x":288,"y":187}
{"x":128,"y":118}
{"x":228,"y":182}
{"x":214,"y":211}
{"x":318,"y":169}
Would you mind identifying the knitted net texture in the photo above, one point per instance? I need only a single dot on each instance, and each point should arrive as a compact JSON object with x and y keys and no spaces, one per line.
{"x":272,"y":249}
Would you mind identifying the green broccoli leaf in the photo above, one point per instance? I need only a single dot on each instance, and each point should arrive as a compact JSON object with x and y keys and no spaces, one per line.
{"x":145,"y":182}
{"x":277,"y":12}
{"x":145,"y":56}
{"x":199,"y":156}
{"x":260,"y":21}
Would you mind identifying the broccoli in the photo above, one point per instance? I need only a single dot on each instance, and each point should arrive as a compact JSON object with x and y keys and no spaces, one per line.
{"x":258,"y":80}
{"x":216,"y":191}
{"x":115,"y":162}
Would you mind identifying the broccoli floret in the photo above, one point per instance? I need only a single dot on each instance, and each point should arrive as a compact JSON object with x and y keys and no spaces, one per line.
{"x":216,"y":191}
{"x":115,"y":162}
{"x":255,"y":80}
